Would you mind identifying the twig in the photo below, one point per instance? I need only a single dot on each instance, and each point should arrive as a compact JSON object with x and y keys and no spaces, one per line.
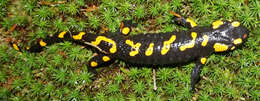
{"x":154,"y":80}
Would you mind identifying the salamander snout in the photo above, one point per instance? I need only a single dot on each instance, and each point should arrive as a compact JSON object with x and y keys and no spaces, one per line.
{"x":240,"y":33}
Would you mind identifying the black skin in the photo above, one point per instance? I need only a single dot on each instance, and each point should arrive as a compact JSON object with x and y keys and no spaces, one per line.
{"x":224,"y":34}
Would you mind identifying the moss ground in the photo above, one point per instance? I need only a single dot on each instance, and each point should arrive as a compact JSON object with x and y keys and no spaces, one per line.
{"x":59,"y":72}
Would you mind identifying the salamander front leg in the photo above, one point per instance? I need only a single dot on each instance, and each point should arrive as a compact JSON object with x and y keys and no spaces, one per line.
{"x":186,"y":22}
{"x":195,"y":74}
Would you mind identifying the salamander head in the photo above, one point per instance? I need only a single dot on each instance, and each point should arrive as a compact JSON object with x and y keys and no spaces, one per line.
{"x":231,"y":30}
{"x":229,"y":33}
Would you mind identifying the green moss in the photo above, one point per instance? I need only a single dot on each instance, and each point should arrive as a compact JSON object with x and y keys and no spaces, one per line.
{"x":60,"y":72}
{"x":140,"y":12}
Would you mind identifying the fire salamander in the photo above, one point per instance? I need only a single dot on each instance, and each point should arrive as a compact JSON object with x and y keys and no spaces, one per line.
{"x":156,"y":49}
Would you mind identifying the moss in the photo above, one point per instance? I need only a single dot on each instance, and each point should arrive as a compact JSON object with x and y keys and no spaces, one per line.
{"x":60,"y":72}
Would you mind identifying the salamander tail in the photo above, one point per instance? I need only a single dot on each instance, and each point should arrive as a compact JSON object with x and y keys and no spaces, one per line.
{"x":80,"y":38}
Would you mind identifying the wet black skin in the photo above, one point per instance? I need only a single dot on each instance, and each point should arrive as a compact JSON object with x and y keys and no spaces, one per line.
{"x":173,"y":56}
{"x":224,"y":34}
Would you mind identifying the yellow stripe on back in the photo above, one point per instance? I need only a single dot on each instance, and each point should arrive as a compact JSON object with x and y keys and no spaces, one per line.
{"x":205,"y":40}
{"x":103,"y":38}
{"x":149,"y":50}
{"x":79,"y":36}
{"x":167,"y":45}
{"x":134,"y":46}
{"x":191,"y":44}
{"x":61,"y":35}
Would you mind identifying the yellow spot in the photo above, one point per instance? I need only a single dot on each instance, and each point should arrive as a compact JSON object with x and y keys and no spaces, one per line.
{"x":216,"y":24}
{"x":205,"y":40}
{"x":125,"y":30}
{"x":192,"y":23}
{"x":134,"y":46}
{"x":235,"y":24}
{"x":93,"y":64}
{"x":237,"y":41}
{"x":167,"y":45}
{"x":27,"y":48}
{"x":16,"y":47}
{"x":105,"y":58}
{"x":220,"y":47}
{"x":42,"y":43}
{"x":103,"y":38}
{"x":79,"y":36}
{"x":61,"y":35}
{"x":193,"y":35}
{"x":203,"y":60}
{"x":149,"y":50}
{"x":232,"y":48}
{"x":191,"y":44}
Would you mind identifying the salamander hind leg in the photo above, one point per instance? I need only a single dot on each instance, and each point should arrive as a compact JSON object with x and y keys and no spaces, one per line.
{"x":97,"y":61}
{"x":184,"y":21}
{"x":195,"y":73}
